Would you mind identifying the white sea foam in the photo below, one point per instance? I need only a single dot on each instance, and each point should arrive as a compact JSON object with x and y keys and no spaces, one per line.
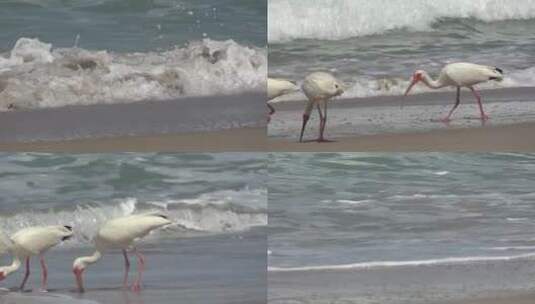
{"x":349,"y":202}
{"x":509,"y":248}
{"x":341,"y":19}
{"x":87,"y":217}
{"x":389,"y":264}
{"x":36,"y":75}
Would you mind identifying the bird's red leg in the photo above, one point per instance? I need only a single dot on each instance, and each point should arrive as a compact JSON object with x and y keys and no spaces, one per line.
{"x":271,"y":111}
{"x":457,"y":101}
{"x":126,"y":269}
{"x":26,"y":275}
{"x":478,"y":97}
{"x":140,"y":268}
{"x":44,"y":273}
{"x":305,"y":120}
{"x":306,"y":116}
{"x":322,"y":122}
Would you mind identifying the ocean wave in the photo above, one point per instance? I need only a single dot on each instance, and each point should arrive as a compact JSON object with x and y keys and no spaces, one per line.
{"x":35,"y":75}
{"x":342,"y":19}
{"x":187,"y":218}
{"x":390,"y":264}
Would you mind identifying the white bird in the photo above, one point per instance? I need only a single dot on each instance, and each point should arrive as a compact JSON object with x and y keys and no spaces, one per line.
{"x":319,"y":87}
{"x":278,"y":87}
{"x":121,"y":233}
{"x":459,"y":75}
{"x":32,"y":241}
{"x":5,"y":243}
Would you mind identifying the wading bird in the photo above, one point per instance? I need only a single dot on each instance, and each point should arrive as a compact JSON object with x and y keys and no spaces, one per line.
{"x":276,"y":88}
{"x":319,"y":87}
{"x":32,"y":241}
{"x":459,"y":75}
{"x":120,"y":233}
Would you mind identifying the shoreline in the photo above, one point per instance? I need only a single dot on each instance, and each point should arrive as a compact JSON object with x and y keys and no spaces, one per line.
{"x":380,"y":124}
{"x":179,"y":116}
{"x":498,"y":282}
{"x":503,"y":298}
{"x":513,"y":137}
{"x":195,"y":270}
{"x":240,"y":139}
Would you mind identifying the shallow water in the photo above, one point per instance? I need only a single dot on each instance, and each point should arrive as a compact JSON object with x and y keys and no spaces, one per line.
{"x":419,"y":113}
{"x":393,"y":228}
{"x":336,"y":208}
{"x":180,"y":116}
{"x":194,"y":270}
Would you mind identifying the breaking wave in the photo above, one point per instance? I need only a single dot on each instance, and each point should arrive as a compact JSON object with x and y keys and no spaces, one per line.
{"x":214,"y":216}
{"x":388,"y":264}
{"x":342,"y":19}
{"x":36,"y":75}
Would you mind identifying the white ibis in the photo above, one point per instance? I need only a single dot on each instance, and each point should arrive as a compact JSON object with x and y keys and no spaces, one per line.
{"x":319,"y":87}
{"x":459,"y":75}
{"x":32,"y":241}
{"x":278,"y":87}
{"x":120,"y":233}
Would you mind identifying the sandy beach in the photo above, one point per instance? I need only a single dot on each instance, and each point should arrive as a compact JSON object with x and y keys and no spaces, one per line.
{"x":213,"y":269}
{"x":189,"y":124}
{"x":517,"y":137}
{"x":244,"y":139}
{"x":527,"y":298}
{"x":380,"y":124}
{"x":478,"y":283}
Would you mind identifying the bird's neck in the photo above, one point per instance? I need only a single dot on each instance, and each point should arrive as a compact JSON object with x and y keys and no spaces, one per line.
{"x":13,"y":267}
{"x":92,"y":258}
{"x":431,"y":83}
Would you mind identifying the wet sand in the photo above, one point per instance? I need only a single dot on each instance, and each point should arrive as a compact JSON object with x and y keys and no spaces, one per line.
{"x":219,"y":269}
{"x":244,"y":139}
{"x":497,"y":282}
{"x":188,"y":123}
{"x":517,"y":137}
{"x":380,"y":124}
{"x":528,"y":298}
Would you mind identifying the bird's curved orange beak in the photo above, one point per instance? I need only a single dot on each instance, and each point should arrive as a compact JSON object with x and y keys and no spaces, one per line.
{"x":2,"y":276}
{"x":415,"y":79}
{"x":79,"y":279}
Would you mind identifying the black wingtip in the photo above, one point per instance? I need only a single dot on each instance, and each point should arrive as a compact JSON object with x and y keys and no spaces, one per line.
{"x":162,"y":216}
{"x":499,"y":70}
{"x":68,"y":228}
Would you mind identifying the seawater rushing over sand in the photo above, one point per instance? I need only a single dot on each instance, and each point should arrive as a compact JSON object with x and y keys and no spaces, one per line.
{"x":399,"y":228}
{"x":411,"y":114}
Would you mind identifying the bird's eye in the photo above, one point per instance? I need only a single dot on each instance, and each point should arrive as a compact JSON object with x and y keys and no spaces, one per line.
{"x":336,"y":86}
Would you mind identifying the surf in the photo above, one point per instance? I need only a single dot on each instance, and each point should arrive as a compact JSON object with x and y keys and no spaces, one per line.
{"x":77,"y":76}
{"x":303,"y":19}
{"x":415,"y":263}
